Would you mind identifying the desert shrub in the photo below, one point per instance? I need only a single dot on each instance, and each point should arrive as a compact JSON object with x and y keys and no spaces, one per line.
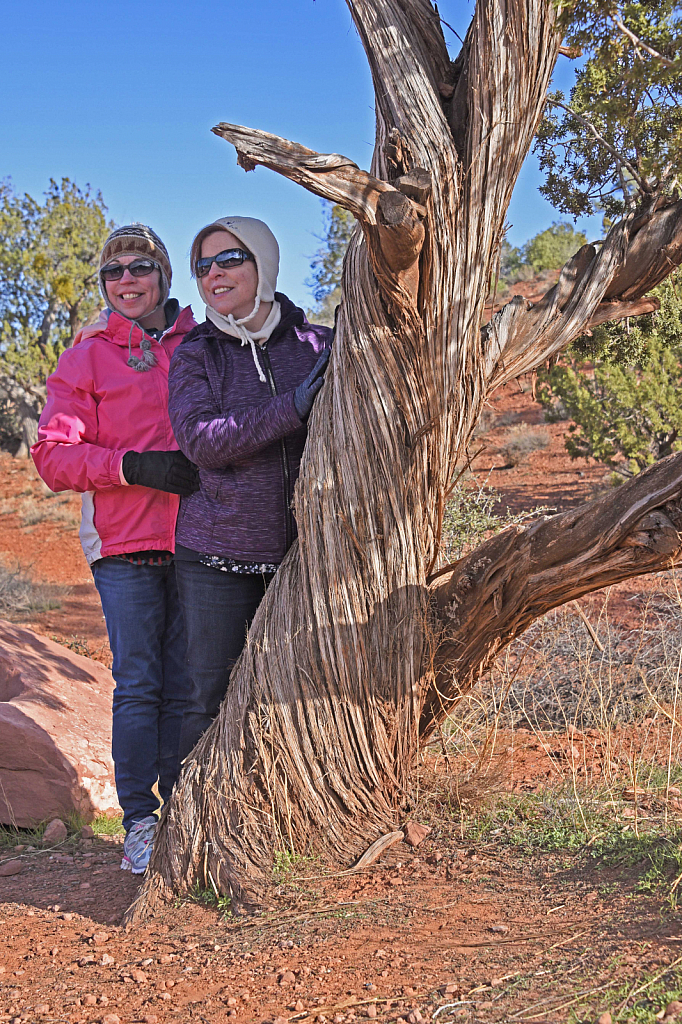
{"x":555,"y":410}
{"x":507,"y":419}
{"x":521,"y":441}
{"x":19,"y":593}
{"x":33,"y":512}
{"x":550,"y":249}
{"x":622,"y":387}
{"x":470,"y":518}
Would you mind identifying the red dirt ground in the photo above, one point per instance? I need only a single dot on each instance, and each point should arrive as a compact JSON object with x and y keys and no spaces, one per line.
{"x":478,"y":928}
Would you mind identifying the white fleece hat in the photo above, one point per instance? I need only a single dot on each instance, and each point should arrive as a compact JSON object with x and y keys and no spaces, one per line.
{"x":258,"y":239}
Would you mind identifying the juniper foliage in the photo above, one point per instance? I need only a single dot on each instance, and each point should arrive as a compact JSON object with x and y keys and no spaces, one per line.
{"x":622,"y":389}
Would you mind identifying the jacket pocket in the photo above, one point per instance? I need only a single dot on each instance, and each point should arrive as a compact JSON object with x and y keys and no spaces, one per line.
{"x":220,"y":486}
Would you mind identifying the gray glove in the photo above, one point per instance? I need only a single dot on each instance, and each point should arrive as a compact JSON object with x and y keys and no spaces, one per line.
{"x":305,"y":393}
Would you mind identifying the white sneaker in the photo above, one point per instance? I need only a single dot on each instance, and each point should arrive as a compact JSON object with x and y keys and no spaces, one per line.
{"x":138,"y":845}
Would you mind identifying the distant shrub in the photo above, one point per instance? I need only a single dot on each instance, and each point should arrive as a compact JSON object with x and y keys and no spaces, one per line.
{"x":555,"y":410}
{"x":550,"y":249}
{"x":18,"y":593}
{"x":470,"y":518}
{"x":622,"y":387}
{"x":521,"y":441}
{"x":34,"y":512}
{"x":506,"y":419}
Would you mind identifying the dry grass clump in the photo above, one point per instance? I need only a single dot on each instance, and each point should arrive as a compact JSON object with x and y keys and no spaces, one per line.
{"x":521,"y":441}
{"x":19,"y":594}
{"x":34,"y":511}
{"x":597,"y":675}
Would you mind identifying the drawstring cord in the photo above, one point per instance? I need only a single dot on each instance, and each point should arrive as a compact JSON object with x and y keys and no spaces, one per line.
{"x":148,"y":358}
{"x":247,"y":337}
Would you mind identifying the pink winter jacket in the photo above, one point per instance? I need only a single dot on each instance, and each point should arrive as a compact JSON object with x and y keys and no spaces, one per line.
{"x":97,"y":409}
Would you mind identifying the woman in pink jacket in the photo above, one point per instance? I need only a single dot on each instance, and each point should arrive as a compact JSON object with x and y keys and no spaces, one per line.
{"x":105,"y":432}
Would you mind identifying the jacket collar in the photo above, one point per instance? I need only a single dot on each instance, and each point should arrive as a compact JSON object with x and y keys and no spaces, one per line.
{"x":117,"y":327}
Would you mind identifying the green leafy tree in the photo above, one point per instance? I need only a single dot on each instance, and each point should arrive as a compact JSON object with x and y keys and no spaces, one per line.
{"x":48,"y":287}
{"x":550,"y":249}
{"x":327,"y":263}
{"x":618,"y":138}
{"x":623,"y":389}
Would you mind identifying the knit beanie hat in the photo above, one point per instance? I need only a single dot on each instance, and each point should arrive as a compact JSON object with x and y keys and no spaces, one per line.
{"x":137,"y":240}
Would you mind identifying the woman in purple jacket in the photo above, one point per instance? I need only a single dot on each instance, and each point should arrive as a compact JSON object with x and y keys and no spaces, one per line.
{"x":241,"y":387}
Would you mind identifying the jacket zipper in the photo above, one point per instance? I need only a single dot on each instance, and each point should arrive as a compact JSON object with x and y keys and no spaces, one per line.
{"x":286,"y":479}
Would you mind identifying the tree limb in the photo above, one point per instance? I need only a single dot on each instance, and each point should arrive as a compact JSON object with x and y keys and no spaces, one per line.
{"x":392,"y":221}
{"x":491,"y":596}
{"x":593,"y":287}
{"x":639,"y":44}
{"x":329,"y":175}
{"x":621,"y":160}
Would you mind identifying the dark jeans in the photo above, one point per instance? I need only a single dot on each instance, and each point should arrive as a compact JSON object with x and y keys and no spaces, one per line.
{"x":218,"y":608}
{"x":146,"y":633}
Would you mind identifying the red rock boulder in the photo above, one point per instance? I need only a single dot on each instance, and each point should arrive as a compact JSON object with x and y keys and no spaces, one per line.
{"x":55,"y":731}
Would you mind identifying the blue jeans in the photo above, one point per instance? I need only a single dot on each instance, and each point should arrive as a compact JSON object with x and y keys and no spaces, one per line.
{"x":146,"y":633}
{"x":218,"y":608}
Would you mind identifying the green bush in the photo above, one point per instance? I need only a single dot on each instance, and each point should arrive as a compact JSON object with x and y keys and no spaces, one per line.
{"x":622,"y":387}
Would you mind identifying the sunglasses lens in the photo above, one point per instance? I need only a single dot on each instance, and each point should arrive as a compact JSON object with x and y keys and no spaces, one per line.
{"x":114,"y":273}
{"x":225,"y":260}
{"x":140,"y":268}
{"x":230,"y":258}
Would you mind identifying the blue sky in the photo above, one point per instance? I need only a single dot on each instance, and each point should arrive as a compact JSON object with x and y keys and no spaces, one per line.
{"x":123,"y":96}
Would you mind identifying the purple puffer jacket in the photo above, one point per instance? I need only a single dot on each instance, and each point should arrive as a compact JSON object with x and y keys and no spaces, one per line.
{"x":244,"y":435}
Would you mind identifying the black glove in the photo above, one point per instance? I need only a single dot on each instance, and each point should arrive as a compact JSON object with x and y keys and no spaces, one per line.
{"x":164,"y":471}
{"x":304,"y":395}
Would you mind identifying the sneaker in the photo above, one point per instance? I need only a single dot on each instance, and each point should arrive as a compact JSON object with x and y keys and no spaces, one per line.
{"x":137,"y":846}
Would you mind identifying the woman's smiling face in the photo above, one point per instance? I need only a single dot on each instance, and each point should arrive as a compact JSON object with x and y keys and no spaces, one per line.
{"x":135,"y":297}
{"x":232,"y":290}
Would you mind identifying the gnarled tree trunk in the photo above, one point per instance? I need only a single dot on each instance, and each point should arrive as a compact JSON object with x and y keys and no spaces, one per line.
{"x":356,"y":653}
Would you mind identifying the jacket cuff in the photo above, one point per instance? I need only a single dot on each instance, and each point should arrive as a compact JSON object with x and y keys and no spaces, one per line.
{"x":121,"y":479}
{"x":294,"y":421}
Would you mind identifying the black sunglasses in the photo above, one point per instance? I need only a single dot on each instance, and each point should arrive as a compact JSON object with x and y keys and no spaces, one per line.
{"x":138,"y":268}
{"x":226,"y":259}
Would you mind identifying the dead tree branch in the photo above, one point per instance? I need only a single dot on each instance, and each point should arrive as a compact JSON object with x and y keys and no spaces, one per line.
{"x":593,"y":287}
{"x":491,"y":596}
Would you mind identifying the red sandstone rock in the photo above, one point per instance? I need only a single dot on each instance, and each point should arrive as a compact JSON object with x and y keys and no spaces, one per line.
{"x":55,"y":731}
{"x":415,"y":833}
